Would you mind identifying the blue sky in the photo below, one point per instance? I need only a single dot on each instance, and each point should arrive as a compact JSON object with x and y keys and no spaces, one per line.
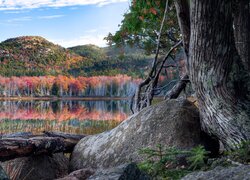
{"x":64,"y":22}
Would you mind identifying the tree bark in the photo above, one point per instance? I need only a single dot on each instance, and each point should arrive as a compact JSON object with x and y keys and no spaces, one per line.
{"x":178,"y":88}
{"x":242,"y":30}
{"x":26,"y":144}
{"x":218,"y":78}
{"x":18,"y":147}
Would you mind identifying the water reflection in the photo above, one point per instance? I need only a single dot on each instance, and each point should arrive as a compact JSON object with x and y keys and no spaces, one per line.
{"x":81,"y":117}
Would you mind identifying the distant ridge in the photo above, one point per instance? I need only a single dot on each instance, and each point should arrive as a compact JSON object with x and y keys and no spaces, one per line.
{"x":36,"y":56}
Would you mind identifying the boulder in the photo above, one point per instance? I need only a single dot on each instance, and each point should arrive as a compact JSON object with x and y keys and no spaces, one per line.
{"x":40,"y":167}
{"x":80,"y":174}
{"x":241,"y":172}
{"x":170,"y":123}
{"x":122,"y":172}
{"x":3,"y":175}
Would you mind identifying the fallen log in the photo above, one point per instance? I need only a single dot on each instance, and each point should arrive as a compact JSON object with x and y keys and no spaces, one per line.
{"x":44,"y":134}
{"x":26,"y":144}
{"x":18,"y":147}
{"x":64,"y":135}
{"x":16,"y":135}
{"x":70,"y":140}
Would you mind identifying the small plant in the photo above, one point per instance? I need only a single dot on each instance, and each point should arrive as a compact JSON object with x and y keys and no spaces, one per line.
{"x":197,"y":157}
{"x":172,"y":163}
{"x":242,"y":154}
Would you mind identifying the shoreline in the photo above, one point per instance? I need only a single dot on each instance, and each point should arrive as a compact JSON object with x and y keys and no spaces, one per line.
{"x":54,"y":98}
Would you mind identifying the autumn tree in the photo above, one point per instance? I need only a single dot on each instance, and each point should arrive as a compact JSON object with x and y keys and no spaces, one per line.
{"x":216,"y":41}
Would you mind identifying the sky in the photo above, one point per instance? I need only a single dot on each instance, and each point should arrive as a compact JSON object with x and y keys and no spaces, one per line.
{"x":64,"y":22}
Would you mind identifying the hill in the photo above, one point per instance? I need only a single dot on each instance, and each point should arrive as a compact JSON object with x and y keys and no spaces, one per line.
{"x":34,"y":55}
{"x":110,"y":61}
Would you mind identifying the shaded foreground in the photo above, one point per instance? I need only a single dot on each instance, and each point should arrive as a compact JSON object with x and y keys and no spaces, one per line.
{"x":26,"y":144}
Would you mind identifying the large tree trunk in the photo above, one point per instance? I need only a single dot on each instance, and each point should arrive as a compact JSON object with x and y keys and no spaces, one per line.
{"x":242,"y":30}
{"x":216,"y":73}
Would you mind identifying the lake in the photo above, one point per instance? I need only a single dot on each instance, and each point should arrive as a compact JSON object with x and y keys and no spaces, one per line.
{"x":70,"y":116}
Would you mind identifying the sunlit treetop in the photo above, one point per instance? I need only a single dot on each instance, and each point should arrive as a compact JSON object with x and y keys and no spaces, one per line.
{"x":141,"y":25}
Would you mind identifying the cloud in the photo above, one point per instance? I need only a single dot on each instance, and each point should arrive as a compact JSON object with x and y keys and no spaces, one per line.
{"x":20,"y":19}
{"x":11,"y":24}
{"x":88,"y":39}
{"x":91,"y":31}
{"x":32,"y":4}
{"x":15,"y":12}
{"x":51,"y":16}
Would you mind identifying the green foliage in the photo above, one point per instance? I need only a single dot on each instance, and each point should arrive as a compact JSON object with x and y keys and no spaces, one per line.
{"x":35,"y":56}
{"x":110,"y":61}
{"x":141,"y":25}
{"x":197,"y":157}
{"x":166,"y":162}
{"x":93,"y":52}
{"x":242,"y":154}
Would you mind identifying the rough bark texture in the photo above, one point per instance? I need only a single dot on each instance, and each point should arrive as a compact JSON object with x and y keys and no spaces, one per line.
{"x":13,"y":148}
{"x":242,"y":30}
{"x":216,"y":73}
{"x":26,"y":144}
{"x":177,"y":89}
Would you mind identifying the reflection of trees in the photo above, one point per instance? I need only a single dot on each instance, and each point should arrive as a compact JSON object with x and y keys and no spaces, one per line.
{"x":71,"y":126}
{"x":63,"y":111}
{"x":82,"y":117}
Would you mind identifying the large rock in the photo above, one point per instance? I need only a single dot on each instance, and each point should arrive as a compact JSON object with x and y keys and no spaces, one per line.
{"x":3,"y":175}
{"x":221,"y":173}
{"x":81,"y":174}
{"x":42,"y":167}
{"x":171,"y":123}
{"x":122,"y":172}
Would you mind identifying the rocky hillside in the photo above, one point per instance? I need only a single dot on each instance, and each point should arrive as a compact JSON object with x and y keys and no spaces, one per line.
{"x":34,"y":55}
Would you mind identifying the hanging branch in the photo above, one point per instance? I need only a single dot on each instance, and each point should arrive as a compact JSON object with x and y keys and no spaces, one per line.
{"x":153,"y":69}
{"x":148,"y":88}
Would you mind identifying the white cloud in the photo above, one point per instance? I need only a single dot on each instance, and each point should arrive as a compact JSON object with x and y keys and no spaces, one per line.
{"x":91,"y":31}
{"x":11,"y":24}
{"x":31,"y":4}
{"x":15,"y":12}
{"x":20,"y":19}
{"x":51,"y":16}
{"x":88,"y":39}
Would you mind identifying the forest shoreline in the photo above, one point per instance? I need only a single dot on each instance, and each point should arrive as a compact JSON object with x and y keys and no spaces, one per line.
{"x":55,"y":98}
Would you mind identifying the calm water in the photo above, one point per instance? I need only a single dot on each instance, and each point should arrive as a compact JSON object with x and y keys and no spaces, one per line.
{"x":80,"y":117}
